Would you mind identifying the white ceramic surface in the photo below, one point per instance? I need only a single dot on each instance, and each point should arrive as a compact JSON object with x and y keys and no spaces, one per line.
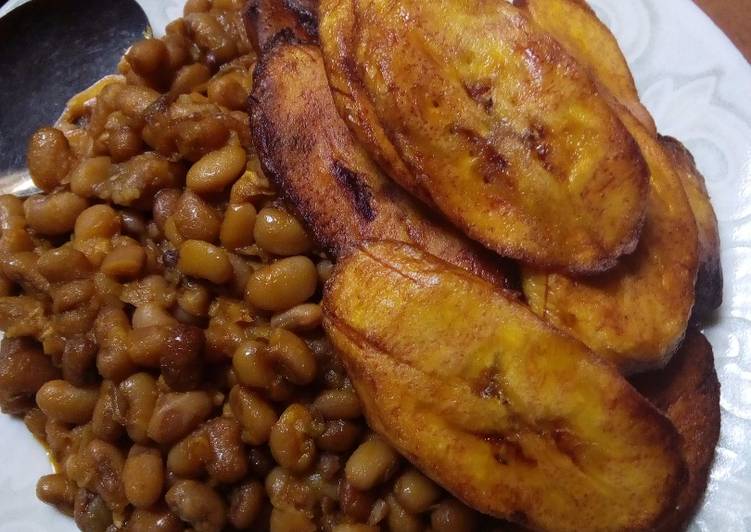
{"x":698,"y":86}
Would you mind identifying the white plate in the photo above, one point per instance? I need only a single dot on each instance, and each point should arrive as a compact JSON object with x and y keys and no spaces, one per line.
{"x":698,"y":86}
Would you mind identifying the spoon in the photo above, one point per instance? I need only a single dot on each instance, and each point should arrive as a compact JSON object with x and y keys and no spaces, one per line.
{"x":49,"y":51}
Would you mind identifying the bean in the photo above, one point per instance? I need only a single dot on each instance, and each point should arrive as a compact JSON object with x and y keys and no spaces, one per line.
{"x":188,"y":457}
{"x":143,"y":476}
{"x":165,"y":204}
{"x":195,"y":219}
{"x":371,"y":464}
{"x":54,"y":214}
{"x":452,"y":516}
{"x":339,"y":436}
{"x":147,"y":57}
{"x":139,"y":393}
{"x":178,"y":414}
{"x":133,"y":100}
{"x":146,"y":345}
{"x":106,"y":422}
{"x":23,"y":371}
{"x":150,"y":315}
{"x":283,"y":284}
{"x":246,"y":503}
{"x":196,"y":6}
{"x":35,"y":421}
{"x":415,"y":492}
{"x":252,"y":365}
{"x":290,"y":520}
{"x":153,"y":520}
{"x":292,"y":356}
{"x":79,"y":360}
{"x":194,"y":298}
{"x":260,"y":461}
{"x":228,"y":462}
{"x":216,"y":170}
{"x":205,"y":261}
{"x":89,"y":174}
{"x":400,"y":519}
{"x":198,"y":505}
{"x":181,"y":362}
{"x":256,"y":416}
{"x":124,"y":262}
{"x":209,"y":35}
{"x":351,"y":527}
{"x":279,"y":233}
{"x":290,"y":440}
{"x":197,"y":137}
{"x":48,"y":157}
{"x":60,"y":400}
{"x":305,"y":317}
{"x":102,"y":465}
{"x":90,"y":512}
{"x":230,"y":90}
{"x":189,"y":78}
{"x":58,"y":491}
{"x":338,"y":404}
{"x":237,"y":227}
{"x":355,"y":503}
{"x":123,"y":143}
{"x":97,"y":221}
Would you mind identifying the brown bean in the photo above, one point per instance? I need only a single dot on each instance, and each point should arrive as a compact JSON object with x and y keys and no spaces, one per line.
{"x":150,"y":315}
{"x":106,"y":422}
{"x":97,"y":221}
{"x":371,"y":464}
{"x":256,"y":416}
{"x":49,"y":157}
{"x":279,"y":233}
{"x":23,"y":371}
{"x":58,"y":491}
{"x":153,"y":520}
{"x":90,"y":512}
{"x":90,"y":174}
{"x":354,"y":527}
{"x":11,"y":212}
{"x":133,"y":100}
{"x":178,"y":414}
{"x":205,"y":261}
{"x":147,"y":57}
{"x":290,"y":520}
{"x":197,"y":137}
{"x":102,"y":466}
{"x":165,"y":205}
{"x":188,"y":457}
{"x":123,"y":143}
{"x":195,"y":219}
{"x":283,"y":284}
{"x":339,"y":436}
{"x":452,"y":516}
{"x":181,"y":362}
{"x":209,"y":35}
{"x":415,"y":492}
{"x":197,"y":504}
{"x":338,"y":404}
{"x":54,"y":214}
{"x":189,"y":78}
{"x":355,"y":503}
{"x":305,"y":317}
{"x":146,"y":345}
{"x":252,"y":365}
{"x":246,"y":503}
{"x":124,"y":262}
{"x":237,"y":227}
{"x":217,"y":170}
{"x":196,"y":6}
{"x":230,"y":90}
{"x":61,"y":400}
{"x":35,"y":421}
{"x":79,"y":360}
{"x":139,"y":393}
{"x":111,"y":330}
{"x":194,"y":298}
{"x":229,"y":462}
{"x":64,"y":264}
{"x":292,"y":357}
{"x":400,"y":519}
{"x":291,"y":440}
{"x":143,"y":476}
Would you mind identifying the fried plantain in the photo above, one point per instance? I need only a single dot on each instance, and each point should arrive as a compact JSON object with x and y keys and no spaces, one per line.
{"x":576,"y":27}
{"x":709,"y":281}
{"x":477,"y":111}
{"x":265,"y":18}
{"x":688,"y":391}
{"x":515,"y":418}
{"x":637,"y":313}
{"x":309,"y":153}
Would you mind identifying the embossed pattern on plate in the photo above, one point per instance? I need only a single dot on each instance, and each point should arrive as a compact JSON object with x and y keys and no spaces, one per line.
{"x":697,"y":86}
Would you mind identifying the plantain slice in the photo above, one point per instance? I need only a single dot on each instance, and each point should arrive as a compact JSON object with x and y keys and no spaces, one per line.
{"x":709,"y":281}
{"x":688,"y":391}
{"x":473,"y":108}
{"x":265,"y":18}
{"x":515,"y":418}
{"x":309,"y":153}
{"x":636,"y":314}
{"x":576,"y":27}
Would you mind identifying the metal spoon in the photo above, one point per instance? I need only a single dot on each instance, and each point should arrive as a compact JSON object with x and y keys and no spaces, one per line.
{"x":49,"y":51}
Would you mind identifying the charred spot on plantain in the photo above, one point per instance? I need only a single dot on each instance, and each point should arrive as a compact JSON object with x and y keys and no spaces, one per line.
{"x":534,"y":139}
{"x":480,"y":92}
{"x":487,"y":386}
{"x":507,"y":451}
{"x":357,"y":188}
{"x":493,"y":166}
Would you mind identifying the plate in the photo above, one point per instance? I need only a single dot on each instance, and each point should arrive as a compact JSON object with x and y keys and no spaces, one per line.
{"x":696,"y":84}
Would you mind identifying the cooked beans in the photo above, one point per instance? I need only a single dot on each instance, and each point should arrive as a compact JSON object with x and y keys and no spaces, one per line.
{"x":452,"y":516}
{"x":23,"y":371}
{"x":54,"y":214}
{"x":146,"y":57}
{"x":338,"y":404}
{"x":237,"y":226}
{"x":216,"y":170}
{"x":89,"y":174}
{"x":60,"y":400}
{"x":228,"y":462}
{"x":280,"y":233}
{"x":282,"y":284}
{"x":371,"y":464}
{"x":58,"y":491}
{"x":252,"y":365}
{"x":153,"y":520}
{"x":197,"y":504}
{"x":177,"y":414}
{"x":230,"y":90}
{"x":205,"y":261}
{"x":139,"y":395}
{"x":181,"y":362}
{"x":303,"y":317}
{"x":291,"y":440}
{"x":189,"y":78}
{"x":97,"y":221}
{"x":143,"y":476}
{"x":195,"y":219}
{"x":256,"y":416}
{"x":125,"y":262}
{"x":400,"y":519}
{"x":106,"y":420}
{"x":415,"y":492}
{"x":246,"y":504}
{"x":292,"y":356}
{"x":289,"y":520}
{"x":150,"y":315}
{"x":49,"y":157}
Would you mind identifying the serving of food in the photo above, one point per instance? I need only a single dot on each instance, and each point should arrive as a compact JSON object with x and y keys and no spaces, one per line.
{"x":361,"y":265}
